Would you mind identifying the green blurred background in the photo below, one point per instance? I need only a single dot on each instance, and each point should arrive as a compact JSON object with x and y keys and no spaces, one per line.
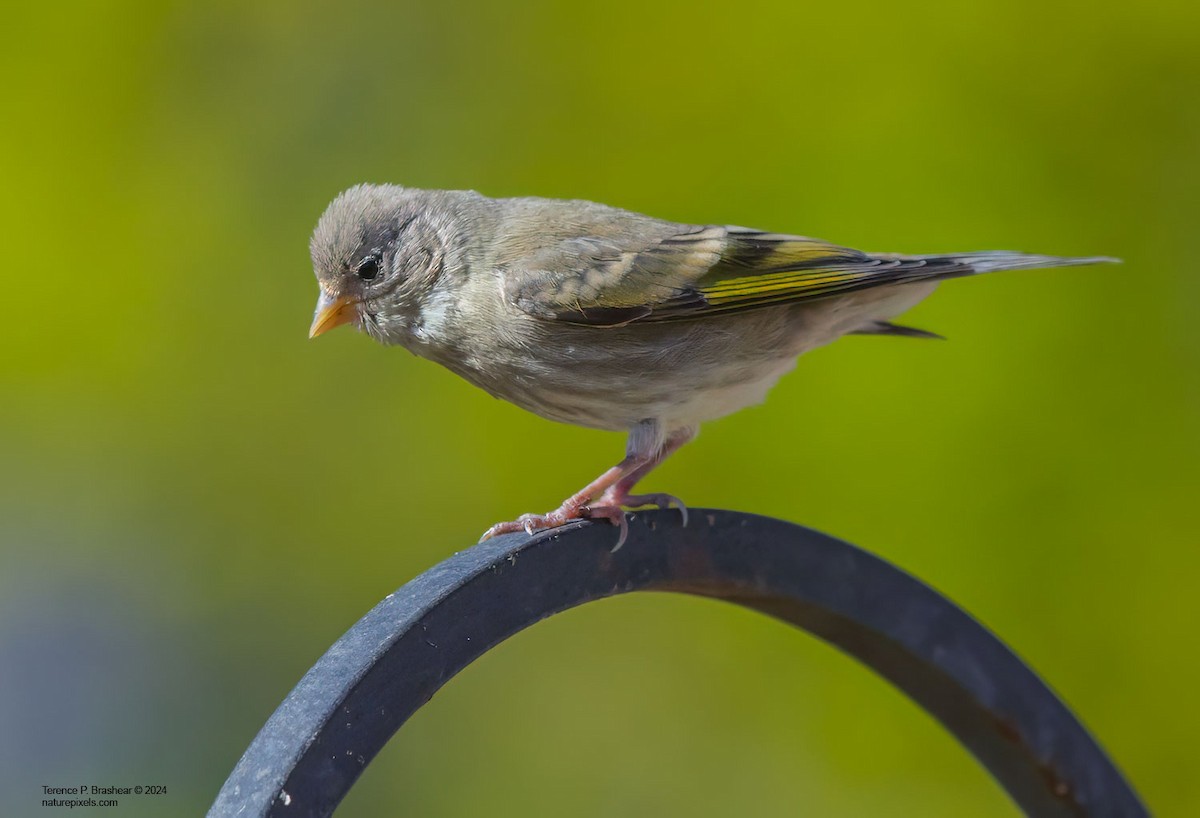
{"x":195,"y":500}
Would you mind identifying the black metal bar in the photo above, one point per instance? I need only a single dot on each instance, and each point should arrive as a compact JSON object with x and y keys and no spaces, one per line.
{"x":347,"y":707}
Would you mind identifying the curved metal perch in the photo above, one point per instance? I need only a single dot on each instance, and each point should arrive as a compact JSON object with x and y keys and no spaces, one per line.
{"x":394,"y":659}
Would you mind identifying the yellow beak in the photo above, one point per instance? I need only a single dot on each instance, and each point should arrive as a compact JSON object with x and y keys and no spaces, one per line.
{"x":331,"y":312}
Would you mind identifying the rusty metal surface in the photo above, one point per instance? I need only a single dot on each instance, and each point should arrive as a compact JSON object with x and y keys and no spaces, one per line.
{"x":391,"y":662}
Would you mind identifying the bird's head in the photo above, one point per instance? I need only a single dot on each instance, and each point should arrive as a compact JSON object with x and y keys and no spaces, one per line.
{"x":376,"y":251}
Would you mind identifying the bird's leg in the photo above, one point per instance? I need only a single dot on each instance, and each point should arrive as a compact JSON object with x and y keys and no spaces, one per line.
{"x":575,"y":507}
{"x":606,"y":496}
{"x":617,"y":495}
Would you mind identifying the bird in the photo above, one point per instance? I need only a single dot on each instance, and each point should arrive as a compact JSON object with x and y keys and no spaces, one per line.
{"x":604,"y":318}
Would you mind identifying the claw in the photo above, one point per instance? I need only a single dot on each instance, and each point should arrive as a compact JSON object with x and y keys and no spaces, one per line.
{"x":501,"y":528}
{"x":622,"y":536}
{"x":615,"y":515}
{"x":661,"y":500}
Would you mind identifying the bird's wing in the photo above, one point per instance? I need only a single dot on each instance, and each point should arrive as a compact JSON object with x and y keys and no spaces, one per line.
{"x":700,"y":271}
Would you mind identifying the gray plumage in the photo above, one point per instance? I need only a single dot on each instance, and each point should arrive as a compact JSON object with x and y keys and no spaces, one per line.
{"x":600,"y":317}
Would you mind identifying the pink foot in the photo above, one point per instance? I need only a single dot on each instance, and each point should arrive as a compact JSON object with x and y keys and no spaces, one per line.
{"x":530,"y":523}
{"x":615,"y":515}
{"x":609,"y":506}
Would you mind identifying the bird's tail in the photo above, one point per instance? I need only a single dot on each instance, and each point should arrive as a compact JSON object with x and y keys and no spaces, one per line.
{"x":906,"y":268}
{"x":991,"y":261}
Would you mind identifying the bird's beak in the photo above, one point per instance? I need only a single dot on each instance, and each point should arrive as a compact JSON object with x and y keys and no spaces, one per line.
{"x":330,"y":313}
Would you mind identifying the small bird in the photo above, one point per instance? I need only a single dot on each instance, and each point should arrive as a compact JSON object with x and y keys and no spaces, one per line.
{"x":599,"y":317}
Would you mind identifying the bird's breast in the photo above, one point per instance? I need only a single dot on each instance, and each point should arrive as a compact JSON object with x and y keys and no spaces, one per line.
{"x":681,"y":373}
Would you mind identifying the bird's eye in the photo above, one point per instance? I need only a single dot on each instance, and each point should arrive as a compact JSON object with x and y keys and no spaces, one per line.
{"x":368,"y":268}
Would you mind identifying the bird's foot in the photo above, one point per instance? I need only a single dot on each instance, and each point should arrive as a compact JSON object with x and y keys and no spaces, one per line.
{"x":609,"y":506}
{"x":530,"y":523}
{"x":574,"y":507}
{"x":614,"y":514}
{"x":658,"y":499}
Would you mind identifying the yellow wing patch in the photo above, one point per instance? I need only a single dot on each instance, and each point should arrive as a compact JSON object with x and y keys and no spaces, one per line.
{"x":796,"y":284}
